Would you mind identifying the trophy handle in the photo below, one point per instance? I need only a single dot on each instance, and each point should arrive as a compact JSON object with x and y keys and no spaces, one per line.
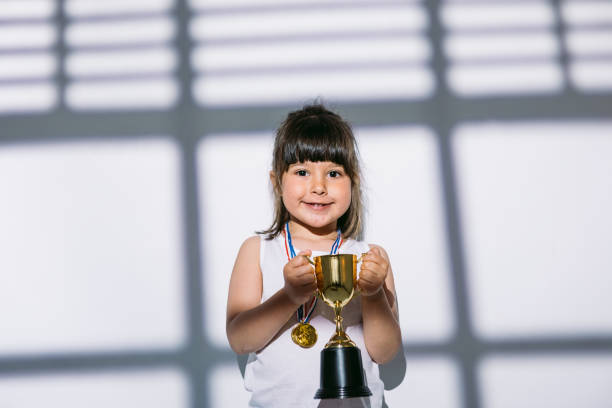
{"x":310,"y":261}
{"x":358,"y":261}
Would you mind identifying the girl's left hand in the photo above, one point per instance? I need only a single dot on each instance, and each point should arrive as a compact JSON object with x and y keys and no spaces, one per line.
{"x":374,"y":268}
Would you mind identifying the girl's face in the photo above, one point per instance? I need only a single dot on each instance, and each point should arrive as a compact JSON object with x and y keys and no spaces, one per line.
{"x":316,"y":193}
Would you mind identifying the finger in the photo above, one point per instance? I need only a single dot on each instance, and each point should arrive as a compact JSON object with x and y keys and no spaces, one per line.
{"x":305,"y":280}
{"x":371,"y":252}
{"x":304,"y":253}
{"x":375,"y":256}
{"x":304,"y":287}
{"x":367,"y":261}
{"x":309,"y":284}
{"x":374,"y":263}
{"x":303,"y":257}
{"x":305,"y":272}
{"x":381,"y":258}
{"x":369,"y":267}
{"x":376,"y":251}
{"x":365,"y":286}
{"x":307,"y":287}
{"x":367,"y":279}
{"x":368,"y":285}
{"x":305,"y":269}
{"x":372,"y":278}
{"x":298,"y":261}
{"x":364,"y":271}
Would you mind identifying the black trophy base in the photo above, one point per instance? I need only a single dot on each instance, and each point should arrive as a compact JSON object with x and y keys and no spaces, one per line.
{"x":342,"y":374}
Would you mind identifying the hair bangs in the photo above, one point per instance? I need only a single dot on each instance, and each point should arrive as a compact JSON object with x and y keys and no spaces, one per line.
{"x":316,"y":140}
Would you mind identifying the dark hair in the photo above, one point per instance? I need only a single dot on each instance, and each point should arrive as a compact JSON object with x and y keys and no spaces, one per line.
{"x":315,"y":134}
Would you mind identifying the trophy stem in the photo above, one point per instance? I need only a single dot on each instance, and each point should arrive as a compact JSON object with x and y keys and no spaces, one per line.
{"x":340,"y":338}
{"x":339,"y":330}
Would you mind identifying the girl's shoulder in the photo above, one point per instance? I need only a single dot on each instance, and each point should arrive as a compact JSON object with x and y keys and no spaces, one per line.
{"x":255,"y":247}
{"x":250,"y":248}
{"x":251,"y":242}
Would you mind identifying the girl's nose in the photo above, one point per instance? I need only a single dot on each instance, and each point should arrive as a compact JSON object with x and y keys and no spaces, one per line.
{"x":318,"y":186}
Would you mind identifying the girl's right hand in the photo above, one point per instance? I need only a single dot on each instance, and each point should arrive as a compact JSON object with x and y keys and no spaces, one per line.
{"x":300,"y":278}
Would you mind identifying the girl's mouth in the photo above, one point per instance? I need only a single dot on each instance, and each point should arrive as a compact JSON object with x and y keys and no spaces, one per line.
{"x":318,"y":206}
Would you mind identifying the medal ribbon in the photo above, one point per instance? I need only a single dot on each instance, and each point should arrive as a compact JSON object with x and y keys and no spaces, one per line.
{"x":290,"y":254}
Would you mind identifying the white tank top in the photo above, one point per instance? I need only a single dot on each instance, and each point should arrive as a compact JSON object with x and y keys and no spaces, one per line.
{"x":285,"y":375}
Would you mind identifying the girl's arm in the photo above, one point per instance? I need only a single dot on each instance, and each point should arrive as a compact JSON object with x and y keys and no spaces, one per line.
{"x":251,"y":324}
{"x":381,"y":328}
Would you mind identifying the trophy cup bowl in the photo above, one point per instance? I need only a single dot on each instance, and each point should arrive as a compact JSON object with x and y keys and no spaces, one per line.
{"x":342,"y":373}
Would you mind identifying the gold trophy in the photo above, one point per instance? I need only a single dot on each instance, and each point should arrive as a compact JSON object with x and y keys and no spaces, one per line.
{"x":341,"y":368}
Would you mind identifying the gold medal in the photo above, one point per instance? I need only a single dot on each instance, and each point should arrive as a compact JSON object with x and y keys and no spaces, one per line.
{"x":304,"y":335}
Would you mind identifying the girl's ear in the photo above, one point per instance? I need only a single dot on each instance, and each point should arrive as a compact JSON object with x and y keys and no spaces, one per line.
{"x":275,"y":185}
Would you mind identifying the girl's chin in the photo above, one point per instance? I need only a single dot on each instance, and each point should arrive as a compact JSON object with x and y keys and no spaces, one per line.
{"x":317,"y":223}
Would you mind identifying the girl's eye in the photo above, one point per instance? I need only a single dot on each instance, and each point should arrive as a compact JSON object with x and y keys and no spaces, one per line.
{"x":334,"y":173}
{"x":301,"y":173}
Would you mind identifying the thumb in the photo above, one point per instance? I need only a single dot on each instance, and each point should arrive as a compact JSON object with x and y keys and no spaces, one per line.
{"x":305,"y":255}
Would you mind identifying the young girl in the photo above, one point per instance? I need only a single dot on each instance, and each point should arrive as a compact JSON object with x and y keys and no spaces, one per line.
{"x":318,"y":210}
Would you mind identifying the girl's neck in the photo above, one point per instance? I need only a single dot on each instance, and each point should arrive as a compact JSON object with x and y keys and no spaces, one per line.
{"x":309,"y":236}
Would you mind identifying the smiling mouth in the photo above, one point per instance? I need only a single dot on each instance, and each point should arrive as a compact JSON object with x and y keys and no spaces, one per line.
{"x":318,"y":205}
